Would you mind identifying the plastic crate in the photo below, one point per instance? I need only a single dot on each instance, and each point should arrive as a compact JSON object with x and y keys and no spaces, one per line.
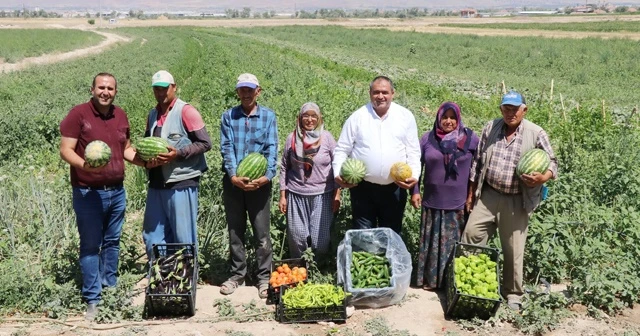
{"x":336,"y":313}
{"x":468,"y":306}
{"x":273,"y":294}
{"x":172,"y":304}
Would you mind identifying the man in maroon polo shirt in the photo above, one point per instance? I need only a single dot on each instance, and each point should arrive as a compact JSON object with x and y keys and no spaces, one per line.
{"x":99,"y":198}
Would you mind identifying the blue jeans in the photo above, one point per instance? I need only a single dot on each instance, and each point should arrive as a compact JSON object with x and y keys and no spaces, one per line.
{"x":170,"y":217}
{"x":99,"y":215}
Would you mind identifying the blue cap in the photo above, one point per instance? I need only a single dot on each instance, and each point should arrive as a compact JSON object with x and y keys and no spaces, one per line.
{"x":513,"y":98}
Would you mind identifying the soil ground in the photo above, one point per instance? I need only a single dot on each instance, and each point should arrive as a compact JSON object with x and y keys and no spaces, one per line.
{"x":421,"y":313}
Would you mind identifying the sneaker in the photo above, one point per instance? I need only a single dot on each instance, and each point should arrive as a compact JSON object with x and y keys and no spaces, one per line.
{"x":92,"y":311}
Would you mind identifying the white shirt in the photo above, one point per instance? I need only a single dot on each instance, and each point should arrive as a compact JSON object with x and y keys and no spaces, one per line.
{"x":379,"y":142}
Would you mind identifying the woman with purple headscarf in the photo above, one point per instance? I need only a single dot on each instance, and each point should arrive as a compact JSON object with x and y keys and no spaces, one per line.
{"x":446,"y":154}
{"x":308,"y":193}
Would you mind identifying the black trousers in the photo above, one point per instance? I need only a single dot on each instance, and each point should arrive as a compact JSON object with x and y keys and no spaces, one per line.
{"x":375,"y":205}
{"x":238,"y":204}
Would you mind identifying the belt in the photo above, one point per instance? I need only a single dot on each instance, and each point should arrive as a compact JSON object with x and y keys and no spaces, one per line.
{"x":104,"y":187}
{"x":498,"y":191}
{"x":376,"y":185}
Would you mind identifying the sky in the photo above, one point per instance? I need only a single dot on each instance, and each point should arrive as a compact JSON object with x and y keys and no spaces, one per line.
{"x":286,"y":5}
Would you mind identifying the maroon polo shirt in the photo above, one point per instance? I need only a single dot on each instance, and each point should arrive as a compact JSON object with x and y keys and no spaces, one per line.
{"x":86,"y":124}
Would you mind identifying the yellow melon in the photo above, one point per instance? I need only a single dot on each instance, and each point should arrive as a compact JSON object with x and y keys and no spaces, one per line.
{"x":400,"y":171}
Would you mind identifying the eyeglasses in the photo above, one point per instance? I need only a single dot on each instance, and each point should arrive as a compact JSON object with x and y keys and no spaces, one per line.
{"x":309,"y":117}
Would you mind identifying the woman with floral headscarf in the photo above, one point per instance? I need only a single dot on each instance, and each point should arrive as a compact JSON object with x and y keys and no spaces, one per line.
{"x":308,"y":193}
{"x":447,"y":152}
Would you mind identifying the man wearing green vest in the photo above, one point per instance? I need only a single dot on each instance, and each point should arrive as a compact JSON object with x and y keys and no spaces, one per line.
{"x":172,"y":198}
{"x":503,"y":200}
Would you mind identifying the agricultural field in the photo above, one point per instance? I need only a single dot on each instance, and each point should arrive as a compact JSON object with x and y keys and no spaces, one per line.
{"x":583,"y":236}
{"x":478,"y":63}
{"x":18,"y":44}
{"x":598,"y":26}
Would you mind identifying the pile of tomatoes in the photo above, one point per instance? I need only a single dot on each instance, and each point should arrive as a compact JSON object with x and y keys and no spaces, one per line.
{"x":283,"y":275}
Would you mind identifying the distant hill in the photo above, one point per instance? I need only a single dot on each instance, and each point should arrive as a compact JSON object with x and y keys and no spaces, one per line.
{"x":281,"y":5}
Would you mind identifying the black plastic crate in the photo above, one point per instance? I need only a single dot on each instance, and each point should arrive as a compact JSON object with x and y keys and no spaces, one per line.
{"x":335,"y":313}
{"x":468,"y":306}
{"x":173,"y":304}
{"x":273,"y":294}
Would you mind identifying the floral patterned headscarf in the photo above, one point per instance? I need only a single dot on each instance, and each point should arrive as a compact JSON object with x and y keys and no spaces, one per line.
{"x":307,"y":143}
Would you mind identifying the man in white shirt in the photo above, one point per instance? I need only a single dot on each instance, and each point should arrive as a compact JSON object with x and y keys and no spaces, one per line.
{"x":380,"y":134}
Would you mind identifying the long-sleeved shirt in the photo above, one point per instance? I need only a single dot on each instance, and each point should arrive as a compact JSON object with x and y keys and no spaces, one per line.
{"x":379,"y":142}
{"x":241,"y":135}
{"x":321,"y":179}
{"x":501,"y":171}
{"x":441,"y":192}
{"x":200,"y":143}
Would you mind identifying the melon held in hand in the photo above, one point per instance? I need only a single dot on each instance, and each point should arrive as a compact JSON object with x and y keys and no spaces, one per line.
{"x":535,"y":160}
{"x":97,"y":153}
{"x":253,"y":166}
{"x":400,"y":171}
{"x":150,"y":147}
{"x":353,"y":171}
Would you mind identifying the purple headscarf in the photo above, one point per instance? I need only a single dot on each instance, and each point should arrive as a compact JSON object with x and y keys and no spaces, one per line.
{"x":452,"y":141}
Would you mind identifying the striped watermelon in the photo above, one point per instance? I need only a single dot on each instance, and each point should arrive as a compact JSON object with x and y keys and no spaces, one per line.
{"x":97,"y":153}
{"x":149,"y":148}
{"x":252,"y":166}
{"x":535,"y":160}
{"x":400,"y":171}
{"x":353,"y":171}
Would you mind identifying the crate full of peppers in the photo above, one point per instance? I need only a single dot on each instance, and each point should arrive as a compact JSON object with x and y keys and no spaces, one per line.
{"x":310,"y":302}
{"x":173,"y":276}
{"x":473,"y":282}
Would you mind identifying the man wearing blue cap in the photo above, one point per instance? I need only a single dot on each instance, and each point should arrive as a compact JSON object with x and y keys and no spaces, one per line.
{"x":245,"y":129}
{"x":174,"y":177}
{"x":503,"y":200}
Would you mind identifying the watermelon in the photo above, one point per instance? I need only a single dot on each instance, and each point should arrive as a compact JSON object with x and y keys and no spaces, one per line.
{"x":535,"y":160}
{"x":149,"y":147}
{"x":400,"y":171}
{"x":353,"y":171}
{"x":97,"y":153}
{"x":252,"y":166}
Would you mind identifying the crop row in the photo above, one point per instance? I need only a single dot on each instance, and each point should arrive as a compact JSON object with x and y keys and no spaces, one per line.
{"x":21,"y":43}
{"x":598,"y":187}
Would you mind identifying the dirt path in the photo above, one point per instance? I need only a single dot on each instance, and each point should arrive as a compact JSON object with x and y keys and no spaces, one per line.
{"x":110,"y":39}
{"x":420,"y":313}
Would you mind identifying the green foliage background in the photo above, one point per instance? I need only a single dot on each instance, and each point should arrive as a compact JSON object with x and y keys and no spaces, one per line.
{"x":585,"y":233}
{"x":18,"y":44}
